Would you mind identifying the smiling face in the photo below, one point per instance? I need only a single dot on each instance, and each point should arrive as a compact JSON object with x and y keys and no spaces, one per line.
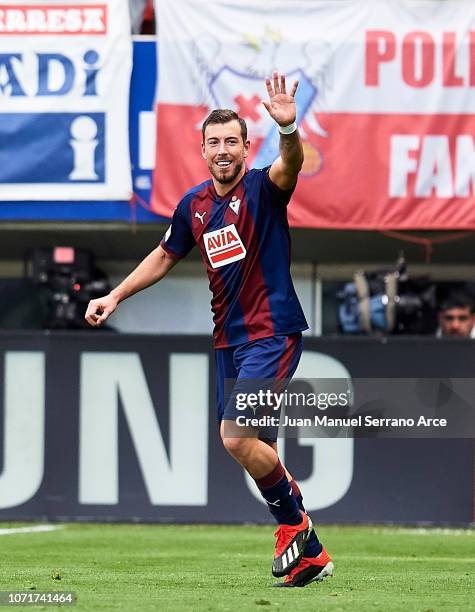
{"x":225,"y":151}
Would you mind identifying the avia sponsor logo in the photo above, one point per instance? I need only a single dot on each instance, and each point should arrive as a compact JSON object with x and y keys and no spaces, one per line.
{"x":224,"y":246}
{"x":53,"y":19}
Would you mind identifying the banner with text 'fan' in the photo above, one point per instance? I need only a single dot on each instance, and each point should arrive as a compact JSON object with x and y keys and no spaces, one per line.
{"x":386,"y":103}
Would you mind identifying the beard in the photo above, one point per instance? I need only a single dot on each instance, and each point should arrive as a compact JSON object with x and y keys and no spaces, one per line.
{"x":225,"y":180}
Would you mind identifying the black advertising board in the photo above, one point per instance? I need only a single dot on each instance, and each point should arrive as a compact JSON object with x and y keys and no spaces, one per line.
{"x":102,"y":426}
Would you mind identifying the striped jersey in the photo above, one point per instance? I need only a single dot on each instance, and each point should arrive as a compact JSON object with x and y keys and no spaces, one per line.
{"x":244,"y":241}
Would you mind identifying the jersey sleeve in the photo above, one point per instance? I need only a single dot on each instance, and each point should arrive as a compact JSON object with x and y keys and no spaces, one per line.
{"x":178,"y":239}
{"x":276,"y":196}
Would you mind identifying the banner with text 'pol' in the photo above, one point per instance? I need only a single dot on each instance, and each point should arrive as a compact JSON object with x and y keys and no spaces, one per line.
{"x":64,"y":87}
{"x":386,"y":103}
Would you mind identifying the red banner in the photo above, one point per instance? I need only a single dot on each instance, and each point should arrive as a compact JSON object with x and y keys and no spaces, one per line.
{"x":385,"y":109}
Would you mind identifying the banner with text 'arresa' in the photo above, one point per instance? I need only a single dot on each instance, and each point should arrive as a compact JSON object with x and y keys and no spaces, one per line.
{"x":64,"y":87}
{"x":385,"y":104}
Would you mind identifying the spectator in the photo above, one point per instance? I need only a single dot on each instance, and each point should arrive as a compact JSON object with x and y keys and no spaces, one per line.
{"x":457,"y":316}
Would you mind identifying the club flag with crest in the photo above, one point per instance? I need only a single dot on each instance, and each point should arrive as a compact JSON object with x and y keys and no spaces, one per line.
{"x":385,"y":103}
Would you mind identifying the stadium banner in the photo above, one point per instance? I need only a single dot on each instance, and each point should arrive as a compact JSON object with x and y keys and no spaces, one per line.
{"x":385,"y":103}
{"x":64,"y":88}
{"x":123,"y":428}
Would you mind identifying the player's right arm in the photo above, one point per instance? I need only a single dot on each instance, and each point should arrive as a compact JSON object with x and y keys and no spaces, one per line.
{"x":152,"y":269}
{"x":176,"y":244}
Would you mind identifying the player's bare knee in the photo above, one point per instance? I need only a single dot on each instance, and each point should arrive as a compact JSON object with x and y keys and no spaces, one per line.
{"x":239,"y":448}
{"x":233,"y":445}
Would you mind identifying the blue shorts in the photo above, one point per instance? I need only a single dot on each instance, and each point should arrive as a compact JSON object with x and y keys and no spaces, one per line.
{"x":274,"y":358}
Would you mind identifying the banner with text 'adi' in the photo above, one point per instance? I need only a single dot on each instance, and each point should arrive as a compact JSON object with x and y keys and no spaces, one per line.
{"x":386,"y":103}
{"x":64,"y":97}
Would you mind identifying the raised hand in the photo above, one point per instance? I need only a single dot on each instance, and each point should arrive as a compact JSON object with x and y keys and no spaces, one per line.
{"x":281,"y":106}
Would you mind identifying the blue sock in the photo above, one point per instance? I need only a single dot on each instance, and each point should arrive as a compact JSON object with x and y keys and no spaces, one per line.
{"x":276,"y":490}
{"x":313,"y":546}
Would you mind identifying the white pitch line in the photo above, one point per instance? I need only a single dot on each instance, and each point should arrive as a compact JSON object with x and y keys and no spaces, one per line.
{"x":424,"y":531}
{"x":33,"y":529}
{"x":416,"y":559}
{"x":429,"y":531}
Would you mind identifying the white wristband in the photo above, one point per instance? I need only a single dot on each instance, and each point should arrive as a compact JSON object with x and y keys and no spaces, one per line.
{"x":288,"y":129}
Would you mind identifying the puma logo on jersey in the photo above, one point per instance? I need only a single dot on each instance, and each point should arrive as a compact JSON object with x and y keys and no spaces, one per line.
{"x":200,"y":216}
{"x":224,"y":246}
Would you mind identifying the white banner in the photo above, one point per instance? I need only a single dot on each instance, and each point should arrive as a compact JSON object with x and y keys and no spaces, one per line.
{"x":64,"y":97}
{"x":385,"y":103}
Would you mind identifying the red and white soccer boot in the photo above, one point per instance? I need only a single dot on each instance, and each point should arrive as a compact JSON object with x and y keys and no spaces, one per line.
{"x":290,"y":544}
{"x":310,"y":569}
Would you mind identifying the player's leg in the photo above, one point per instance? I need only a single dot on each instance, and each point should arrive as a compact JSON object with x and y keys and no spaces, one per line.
{"x":263,"y":465}
{"x":316,"y":563}
{"x":243,"y":444}
{"x":268,"y":359}
{"x":255,"y":456}
{"x":313,"y":547}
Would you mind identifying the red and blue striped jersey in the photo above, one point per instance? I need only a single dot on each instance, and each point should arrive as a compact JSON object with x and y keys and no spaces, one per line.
{"x":245,"y":244}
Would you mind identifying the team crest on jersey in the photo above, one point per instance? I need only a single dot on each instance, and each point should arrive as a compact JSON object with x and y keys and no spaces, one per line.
{"x":235,"y":204}
{"x":224,"y":246}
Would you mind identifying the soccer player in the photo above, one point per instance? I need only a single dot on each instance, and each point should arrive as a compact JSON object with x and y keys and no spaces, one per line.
{"x":238,"y":219}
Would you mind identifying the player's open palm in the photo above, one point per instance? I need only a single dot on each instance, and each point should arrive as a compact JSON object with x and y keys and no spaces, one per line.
{"x":281,"y":105}
{"x":100,"y":309}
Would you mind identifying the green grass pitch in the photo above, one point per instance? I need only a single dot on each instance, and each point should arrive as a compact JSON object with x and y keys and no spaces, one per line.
{"x":174,"y":567}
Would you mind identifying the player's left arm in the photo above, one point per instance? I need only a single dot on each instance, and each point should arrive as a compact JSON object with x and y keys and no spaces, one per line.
{"x":282,"y":108}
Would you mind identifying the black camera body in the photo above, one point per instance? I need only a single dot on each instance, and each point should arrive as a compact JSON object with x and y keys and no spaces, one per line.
{"x":388,"y":302}
{"x":71,"y":280}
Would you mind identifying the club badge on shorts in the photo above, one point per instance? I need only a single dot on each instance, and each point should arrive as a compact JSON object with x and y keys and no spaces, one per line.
{"x":224,"y":246}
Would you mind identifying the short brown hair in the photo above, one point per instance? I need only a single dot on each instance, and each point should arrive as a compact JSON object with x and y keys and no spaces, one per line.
{"x":224,"y":115}
{"x":458,"y":299}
